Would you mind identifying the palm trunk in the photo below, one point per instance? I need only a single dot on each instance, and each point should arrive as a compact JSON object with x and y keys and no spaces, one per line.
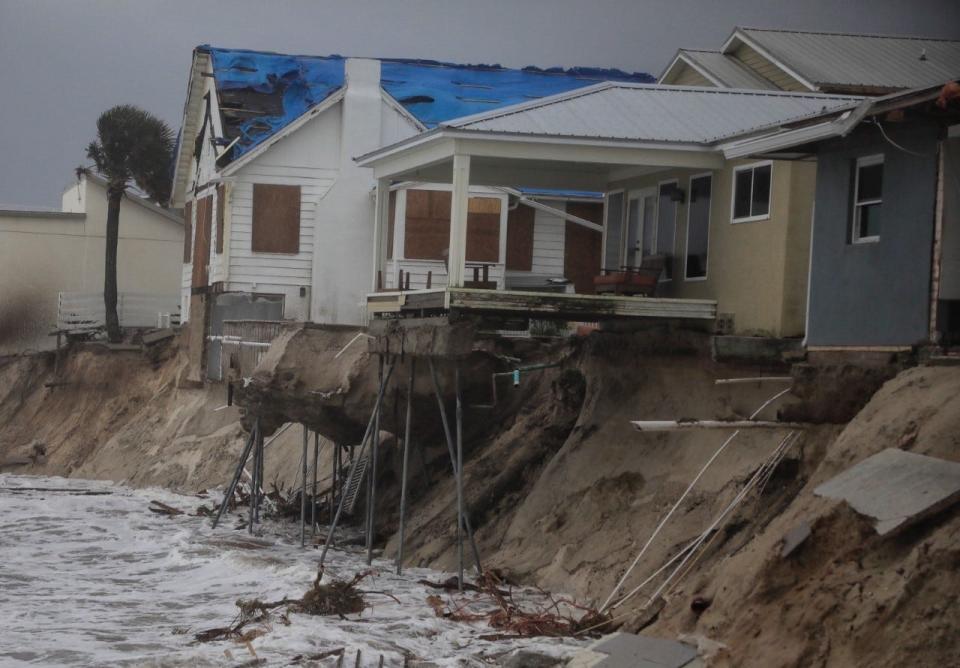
{"x":114,"y":195}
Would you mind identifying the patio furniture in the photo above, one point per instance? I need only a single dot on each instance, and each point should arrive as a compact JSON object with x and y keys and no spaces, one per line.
{"x":628,"y":281}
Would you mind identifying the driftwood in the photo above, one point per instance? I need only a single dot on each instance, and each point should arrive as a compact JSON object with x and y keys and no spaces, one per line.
{"x":163,"y":509}
{"x":514,"y":621}
{"x":339,"y":597}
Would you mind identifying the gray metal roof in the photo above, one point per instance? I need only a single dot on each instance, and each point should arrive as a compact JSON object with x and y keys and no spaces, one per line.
{"x":727,"y":69}
{"x":850,"y":60}
{"x":637,"y":112}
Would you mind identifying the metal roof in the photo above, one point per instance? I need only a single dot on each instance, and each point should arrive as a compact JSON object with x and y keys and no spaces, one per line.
{"x":838,"y":60}
{"x":727,"y":69}
{"x":637,"y":112}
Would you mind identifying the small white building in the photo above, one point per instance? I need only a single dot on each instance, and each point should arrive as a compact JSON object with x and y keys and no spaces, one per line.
{"x":46,"y":252}
{"x":279,"y":216}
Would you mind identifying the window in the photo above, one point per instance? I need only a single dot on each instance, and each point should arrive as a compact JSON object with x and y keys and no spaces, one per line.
{"x":667,"y":224}
{"x":751,"y":192}
{"x":187,"y":231}
{"x":867,"y":199}
{"x":613,"y":239}
{"x":698,"y":227}
{"x":221,"y":207}
{"x":276,"y":219}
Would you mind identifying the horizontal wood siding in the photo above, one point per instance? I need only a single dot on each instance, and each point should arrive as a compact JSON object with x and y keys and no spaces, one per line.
{"x":754,"y":61}
{"x":687,"y":76}
{"x":247,"y":267}
{"x":548,"y":239}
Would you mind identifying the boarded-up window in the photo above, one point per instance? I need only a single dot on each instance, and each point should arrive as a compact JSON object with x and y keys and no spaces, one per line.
{"x":201,"y":242}
{"x":520,"y":238}
{"x":221,"y":206}
{"x":187,"y":231}
{"x":583,"y":247}
{"x":276,"y":219}
{"x":427,"y":227}
{"x":483,"y":229}
{"x":391,"y":222}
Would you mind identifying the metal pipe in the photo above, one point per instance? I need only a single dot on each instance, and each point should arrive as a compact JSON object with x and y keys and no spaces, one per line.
{"x":406,"y":458}
{"x":374,"y":453}
{"x":453,"y":458}
{"x":353,"y":468}
{"x":313,"y":495}
{"x":456,"y":377}
{"x":303,"y":488}
{"x":254,"y":484}
{"x":236,"y":476}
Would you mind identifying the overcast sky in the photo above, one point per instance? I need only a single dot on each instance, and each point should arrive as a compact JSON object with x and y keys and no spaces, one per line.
{"x":63,"y":62}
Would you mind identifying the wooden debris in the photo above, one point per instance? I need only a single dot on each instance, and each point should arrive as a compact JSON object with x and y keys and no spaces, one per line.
{"x":163,"y":509}
{"x":688,"y":424}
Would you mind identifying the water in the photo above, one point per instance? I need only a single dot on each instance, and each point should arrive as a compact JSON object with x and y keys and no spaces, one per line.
{"x":97,"y":579}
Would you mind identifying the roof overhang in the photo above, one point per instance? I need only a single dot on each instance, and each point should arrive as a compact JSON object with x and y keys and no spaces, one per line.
{"x":499,"y":159}
{"x":683,"y":59}
{"x":192,"y":117}
{"x":837,"y":123}
{"x":738,"y":37}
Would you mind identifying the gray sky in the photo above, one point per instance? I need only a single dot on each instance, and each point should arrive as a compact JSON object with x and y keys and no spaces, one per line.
{"x":64,"y":62}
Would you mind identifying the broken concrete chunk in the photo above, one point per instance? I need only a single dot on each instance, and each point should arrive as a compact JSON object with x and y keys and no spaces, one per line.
{"x":896,"y":488}
{"x":794,"y":538}
{"x":625,"y":650}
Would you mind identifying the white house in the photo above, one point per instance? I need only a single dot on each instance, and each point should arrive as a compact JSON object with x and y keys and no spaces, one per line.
{"x":280,"y":217}
{"x":46,"y":252}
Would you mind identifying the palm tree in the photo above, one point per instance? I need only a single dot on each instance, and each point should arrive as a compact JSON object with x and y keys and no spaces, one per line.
{"x":132,"y":147}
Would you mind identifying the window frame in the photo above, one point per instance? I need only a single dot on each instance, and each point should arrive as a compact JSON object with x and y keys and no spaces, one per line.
{"x":686,"y":241}
{"x":733,"y":193}
{"x":863,"y":161}
{"x":606,"y":227}
{"x":676,"y":211}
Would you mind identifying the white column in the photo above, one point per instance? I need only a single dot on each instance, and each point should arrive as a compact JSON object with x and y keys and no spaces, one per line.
{"x":380,"y":231}
{"x":458,"y":220}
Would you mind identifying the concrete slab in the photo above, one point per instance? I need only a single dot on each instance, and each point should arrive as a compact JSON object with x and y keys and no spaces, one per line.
{"x":794,"y":538}
{"x":626,"y":650}
{"x":896,"y":488}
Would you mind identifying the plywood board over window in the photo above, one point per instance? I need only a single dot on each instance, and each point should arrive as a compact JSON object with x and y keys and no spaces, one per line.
{"x":201,"y":242}
{"x":427,"y":226}
{"x":187,"y":231}
{"x":583,"y":247}
{"x":276,"y":219}
{"x":520,"y":222}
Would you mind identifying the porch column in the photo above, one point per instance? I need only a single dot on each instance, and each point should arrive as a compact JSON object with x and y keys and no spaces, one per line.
{"x":380,"y":231}
{"x":458,"y":220}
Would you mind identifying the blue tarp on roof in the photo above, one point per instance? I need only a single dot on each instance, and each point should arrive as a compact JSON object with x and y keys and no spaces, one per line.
{"x":437,"y":92}
{"x":262,"y":92}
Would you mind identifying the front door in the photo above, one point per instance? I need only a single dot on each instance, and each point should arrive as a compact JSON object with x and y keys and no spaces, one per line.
{"x":641,"y":226}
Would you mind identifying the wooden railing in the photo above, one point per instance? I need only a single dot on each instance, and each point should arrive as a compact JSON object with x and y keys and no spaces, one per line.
{"x":84,"y":311}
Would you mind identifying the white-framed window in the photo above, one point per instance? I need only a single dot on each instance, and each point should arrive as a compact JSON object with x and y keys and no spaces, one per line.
{"x":698,"y":227}
{"x":752,"y":186}
{"x":867,"y":199}
{"x":668,"y":199}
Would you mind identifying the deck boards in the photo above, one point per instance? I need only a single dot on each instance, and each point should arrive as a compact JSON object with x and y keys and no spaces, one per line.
{"x":541,"y":304}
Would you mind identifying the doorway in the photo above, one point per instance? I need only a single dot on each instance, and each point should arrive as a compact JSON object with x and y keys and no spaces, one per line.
{"x":641,"y":226}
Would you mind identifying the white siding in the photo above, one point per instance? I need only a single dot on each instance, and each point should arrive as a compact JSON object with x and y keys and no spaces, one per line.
{"x":548,"y":239}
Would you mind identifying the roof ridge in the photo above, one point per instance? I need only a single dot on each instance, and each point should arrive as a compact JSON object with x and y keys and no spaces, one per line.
{"x":919,"y":38}
{"x":427,"y":62}
{"x":607,"y":85}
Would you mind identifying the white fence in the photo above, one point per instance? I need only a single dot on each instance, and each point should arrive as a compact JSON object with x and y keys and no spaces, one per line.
{"x":83,"y":311}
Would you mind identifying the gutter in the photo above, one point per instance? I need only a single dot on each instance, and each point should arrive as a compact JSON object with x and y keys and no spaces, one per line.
{"x":523,"y":199}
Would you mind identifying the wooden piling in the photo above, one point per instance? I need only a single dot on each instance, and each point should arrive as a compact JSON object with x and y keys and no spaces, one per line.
{"x":404,"y":468}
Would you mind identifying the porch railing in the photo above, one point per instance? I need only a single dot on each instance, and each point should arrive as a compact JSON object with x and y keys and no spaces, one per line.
{"x":84,"y":311}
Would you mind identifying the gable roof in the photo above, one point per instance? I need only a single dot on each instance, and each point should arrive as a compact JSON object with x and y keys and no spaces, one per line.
{"x":260,"y":93}
{"x":854,"y":62}
{"x":653,"y":113}
{"x":720,"y":69}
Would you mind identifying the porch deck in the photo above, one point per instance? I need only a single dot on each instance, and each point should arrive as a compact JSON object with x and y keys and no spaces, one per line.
{"x":542,"y":305}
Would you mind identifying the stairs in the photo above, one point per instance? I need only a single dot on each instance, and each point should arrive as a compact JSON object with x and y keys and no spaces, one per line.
{"x":354,"y":485}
